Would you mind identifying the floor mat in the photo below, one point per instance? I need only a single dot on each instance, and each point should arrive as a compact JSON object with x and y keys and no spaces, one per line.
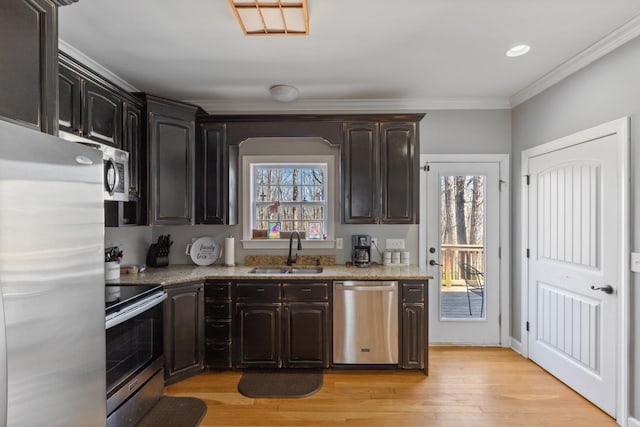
{"x":280,"y":383}
{"x":175,"y":412}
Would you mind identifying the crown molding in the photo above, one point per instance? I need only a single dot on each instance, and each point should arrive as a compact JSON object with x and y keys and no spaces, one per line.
{"x":226,"y":106}
{"x":95,"y":66}
{"x":612,"y":41}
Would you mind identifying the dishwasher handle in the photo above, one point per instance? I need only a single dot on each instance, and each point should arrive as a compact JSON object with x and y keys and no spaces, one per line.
{"x":365,"y":286}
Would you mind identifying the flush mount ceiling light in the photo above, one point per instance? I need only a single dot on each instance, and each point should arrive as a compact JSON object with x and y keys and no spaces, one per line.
{"x":518,"y":50}
{"x":272,"y":17}
{"x":284,"y":93}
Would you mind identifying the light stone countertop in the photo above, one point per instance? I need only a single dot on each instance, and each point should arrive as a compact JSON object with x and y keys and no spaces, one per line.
{"x":177,"y":274}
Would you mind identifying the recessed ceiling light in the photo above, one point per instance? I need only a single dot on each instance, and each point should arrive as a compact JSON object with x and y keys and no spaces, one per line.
{"x":518,"y":50}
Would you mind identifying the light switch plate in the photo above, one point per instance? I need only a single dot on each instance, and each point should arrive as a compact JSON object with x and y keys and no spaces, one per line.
{"x":395,"y":244}
{"x":635,"y":262}
{"x":338,"y":242}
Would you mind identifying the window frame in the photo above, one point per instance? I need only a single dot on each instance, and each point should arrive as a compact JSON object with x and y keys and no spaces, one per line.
{"x":248,"y":203}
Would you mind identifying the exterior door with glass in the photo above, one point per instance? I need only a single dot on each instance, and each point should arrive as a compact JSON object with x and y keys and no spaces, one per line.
{"x":463,"y":217}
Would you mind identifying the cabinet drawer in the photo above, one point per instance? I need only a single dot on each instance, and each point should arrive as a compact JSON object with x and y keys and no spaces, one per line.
{"x":413,"y":292}
{"x":266,"y":291}
{"x":219,"y":291}
{"x":305,"y":291}
{"x":218,"y":355}
{"x":218,"y":331}
{"x":218,"y":309}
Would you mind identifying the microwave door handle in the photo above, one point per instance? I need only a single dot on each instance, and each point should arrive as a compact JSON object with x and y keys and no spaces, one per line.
{"x":110,"y":323}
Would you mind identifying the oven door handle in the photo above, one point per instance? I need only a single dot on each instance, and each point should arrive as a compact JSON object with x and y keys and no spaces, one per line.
{"x":110,"y":323}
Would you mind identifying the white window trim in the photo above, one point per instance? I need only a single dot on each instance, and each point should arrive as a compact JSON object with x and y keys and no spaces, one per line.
{"x":247,"y":160}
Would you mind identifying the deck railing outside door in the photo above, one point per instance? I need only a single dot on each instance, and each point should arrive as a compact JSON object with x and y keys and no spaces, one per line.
{"x":453,"y":255}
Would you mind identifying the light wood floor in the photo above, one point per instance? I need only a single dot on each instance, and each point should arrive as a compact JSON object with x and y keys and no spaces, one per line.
{"x":479,"y":387}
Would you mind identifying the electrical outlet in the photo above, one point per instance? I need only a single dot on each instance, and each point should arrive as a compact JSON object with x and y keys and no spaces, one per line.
{"x":338,"y":242}
{"x":395,"y":243}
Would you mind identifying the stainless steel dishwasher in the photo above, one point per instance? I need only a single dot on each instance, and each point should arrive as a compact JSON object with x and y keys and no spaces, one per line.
{"x":365,"y":322}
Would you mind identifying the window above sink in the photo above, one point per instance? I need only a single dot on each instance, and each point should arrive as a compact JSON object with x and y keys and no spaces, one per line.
{"x":283,"y":193}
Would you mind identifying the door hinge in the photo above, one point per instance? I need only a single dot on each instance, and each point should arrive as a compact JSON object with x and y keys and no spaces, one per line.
{"x":528,"y":179}
{"x":528,"y":253}
{"x":499,"y":253}
{"x":500,"y":182}
{"x":426,"y":167}
{"x":527,"y":326}
{"x":500,"y":319}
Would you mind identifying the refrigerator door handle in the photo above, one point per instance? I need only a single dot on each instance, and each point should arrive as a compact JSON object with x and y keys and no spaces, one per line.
{"x":3,"y":365}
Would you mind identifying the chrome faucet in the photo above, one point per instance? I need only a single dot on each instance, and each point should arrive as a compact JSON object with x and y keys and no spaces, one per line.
{"x":291,"y":261}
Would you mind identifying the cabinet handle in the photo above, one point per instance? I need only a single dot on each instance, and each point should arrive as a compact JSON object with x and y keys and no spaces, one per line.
{"x":305,"y":290}
{"x":259,"y":289}
{"x":414,"y":289}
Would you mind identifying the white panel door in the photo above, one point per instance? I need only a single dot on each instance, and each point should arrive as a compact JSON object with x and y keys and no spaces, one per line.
{"x":574,"y":233}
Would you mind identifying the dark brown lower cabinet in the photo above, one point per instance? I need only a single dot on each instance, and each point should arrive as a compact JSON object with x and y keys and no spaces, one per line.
{"x":184,"y":339}
{"x":218,"y":325}
{"x":306,"y":335}
{"x":259,"y":331}
{"x":414,"y":326}
{"x":282,"y":325}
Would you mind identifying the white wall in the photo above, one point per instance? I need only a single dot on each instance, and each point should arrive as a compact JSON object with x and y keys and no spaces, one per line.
{"x":466,"y":132}
{"x":605,"y":90}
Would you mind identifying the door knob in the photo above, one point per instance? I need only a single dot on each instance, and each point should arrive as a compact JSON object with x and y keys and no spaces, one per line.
{"x":607,"y":289}
{"x":433,"y":262}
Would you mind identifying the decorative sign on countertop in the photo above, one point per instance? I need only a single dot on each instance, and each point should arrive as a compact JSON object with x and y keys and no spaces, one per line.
{"x":203,"y":251}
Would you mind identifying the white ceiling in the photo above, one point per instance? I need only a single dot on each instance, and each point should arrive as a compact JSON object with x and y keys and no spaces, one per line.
{"x":400,"y":54}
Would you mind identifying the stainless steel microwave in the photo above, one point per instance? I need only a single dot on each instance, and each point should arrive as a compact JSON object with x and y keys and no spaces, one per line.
{"x":116,"y":167}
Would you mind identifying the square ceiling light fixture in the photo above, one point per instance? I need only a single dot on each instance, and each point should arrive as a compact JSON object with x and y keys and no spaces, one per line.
{"x":272,"y":17}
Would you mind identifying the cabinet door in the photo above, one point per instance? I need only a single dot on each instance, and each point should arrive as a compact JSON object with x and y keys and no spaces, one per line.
{"x":212,"y":174}
{"x":306,"y":341}
{"x":361,"y":177}
{"x":399,"y":172}
{"x":102,"y":115}
{"x":413,"y":345}
{"x":29,"y":63}
{"x":184,"y":338}
{"x":132,"y":143}
{"x":171,"y":163}
{"x":69,"y":107}
{"x":258,"y":336}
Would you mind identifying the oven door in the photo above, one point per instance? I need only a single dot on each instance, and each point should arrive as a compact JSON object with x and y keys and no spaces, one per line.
{"x":134,"y":349}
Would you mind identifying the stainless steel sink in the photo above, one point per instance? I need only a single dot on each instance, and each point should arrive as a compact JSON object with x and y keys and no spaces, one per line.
{"x":282,"y":270}
{"x":269,"y":270}
{"x":311,"y":270}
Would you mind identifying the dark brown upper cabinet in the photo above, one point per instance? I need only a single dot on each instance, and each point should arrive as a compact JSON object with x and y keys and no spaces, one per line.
{"x":399,"y":173}
{"x":380,"y":173}
{"x":132,"y":143}
{"x":102,"y":114}
{"x":171,"y":154}
{"x":361,"y":179}
{"x":89,"y":106}
{"x":28,"y":63}
{"x":212,"y":174}
{"x":69,"y":100}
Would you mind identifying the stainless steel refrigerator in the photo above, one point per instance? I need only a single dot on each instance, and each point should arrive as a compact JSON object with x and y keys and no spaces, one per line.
{"x":52,"y":326}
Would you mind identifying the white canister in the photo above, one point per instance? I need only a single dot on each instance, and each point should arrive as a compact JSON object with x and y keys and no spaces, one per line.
{"x":404,"y":257}
{"x":395,"y":257}
{"x":386,"y":260}
{"x":111,"y":270}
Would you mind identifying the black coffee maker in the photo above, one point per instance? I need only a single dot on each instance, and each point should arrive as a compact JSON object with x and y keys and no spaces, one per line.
{"x":361,"y":251}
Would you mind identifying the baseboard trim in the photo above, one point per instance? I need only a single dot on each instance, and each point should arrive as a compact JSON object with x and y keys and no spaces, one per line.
{"x":517,"y":346}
